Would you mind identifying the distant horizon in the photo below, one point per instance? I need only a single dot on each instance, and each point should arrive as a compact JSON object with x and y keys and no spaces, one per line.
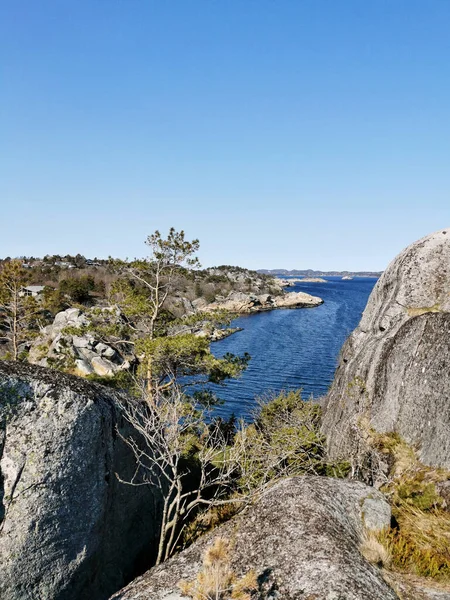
{"x":323,"y":271}
{"x":260,"y":270}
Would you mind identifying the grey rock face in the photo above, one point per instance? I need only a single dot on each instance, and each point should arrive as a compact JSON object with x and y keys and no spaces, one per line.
{"x":376,"y":515}
{"x":82,"y":342}
{"x":105,"y":350}
{"x":71,"y":316}
{"x":416,"y":589}
{"x":302,"y":539}
{"x":394,"y":370}
{"x":83,"y":367}
{"x":102,"y":366}
{"x":69,"y":530}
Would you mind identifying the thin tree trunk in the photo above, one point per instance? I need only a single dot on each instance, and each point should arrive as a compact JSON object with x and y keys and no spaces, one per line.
{"x":149,"y":380}
{"x":174,"y":522}
{"x":162,"y":536}
{"x":15,"y":326}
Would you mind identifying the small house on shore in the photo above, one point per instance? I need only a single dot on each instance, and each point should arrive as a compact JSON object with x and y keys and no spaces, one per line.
{"x":31,"y":290}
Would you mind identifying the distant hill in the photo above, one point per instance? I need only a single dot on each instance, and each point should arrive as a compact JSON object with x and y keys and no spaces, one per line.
{"x":312,"y":273}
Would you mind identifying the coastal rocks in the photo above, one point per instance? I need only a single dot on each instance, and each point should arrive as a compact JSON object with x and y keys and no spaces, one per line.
{"x":59,"y":346}
{"x":284,"y":283}
{"x":293,"y":281}
{"x":393,"y":370}
{"x":297,"y":300}
{"x":242,"y":303}
{"x":68,"y":528}
{"x":236,"y":302}
{"x":218,"y":334}
{"x":242,"y":277}
{"x":302,"y":539}
{"x":313,"y":280}
{"x":203,"y":329}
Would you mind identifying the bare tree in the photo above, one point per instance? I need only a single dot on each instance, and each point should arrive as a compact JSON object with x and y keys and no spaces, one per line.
{"x":194,"y":464}
{"x":185,"y":458}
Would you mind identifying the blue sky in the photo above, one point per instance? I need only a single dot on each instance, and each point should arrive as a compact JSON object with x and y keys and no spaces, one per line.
{"x":281,"y":133}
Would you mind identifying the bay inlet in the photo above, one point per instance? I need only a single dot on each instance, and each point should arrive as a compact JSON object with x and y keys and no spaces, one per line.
{"x":292,"y":348}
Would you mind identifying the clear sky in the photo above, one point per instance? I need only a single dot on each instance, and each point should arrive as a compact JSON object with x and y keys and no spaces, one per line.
{"x":281,"y":133}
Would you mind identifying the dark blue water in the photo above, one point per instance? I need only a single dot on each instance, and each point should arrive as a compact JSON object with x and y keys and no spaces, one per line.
{"x":296,"y":348}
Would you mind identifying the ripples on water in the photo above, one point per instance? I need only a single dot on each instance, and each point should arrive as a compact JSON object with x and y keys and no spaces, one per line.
{"x":293,"y":348}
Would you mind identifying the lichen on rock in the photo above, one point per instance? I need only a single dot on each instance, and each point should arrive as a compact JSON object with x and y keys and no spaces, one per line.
{"x":68,"y":528}
{"x":393,"y":371}
{"x":301,"y":540}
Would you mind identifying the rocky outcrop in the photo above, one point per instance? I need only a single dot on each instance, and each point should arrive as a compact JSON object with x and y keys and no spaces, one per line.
{"x":293,"y":281}
{"x":242,"y":303}
{"x":82,"y":354}
{"x":393,"y":372}
{"x":302,"y":540}
{"x":71,"y":343}
{"x":284,"y":283}
{"x":313,"y":280}
{"x":68,"y":528}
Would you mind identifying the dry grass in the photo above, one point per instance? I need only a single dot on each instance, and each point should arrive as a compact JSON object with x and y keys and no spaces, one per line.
{"x":420,"y":543}
{"x":208,"y":520}
{"x":216,"y":580}
{"x":417,"y":311}
{"x":375,"y":551}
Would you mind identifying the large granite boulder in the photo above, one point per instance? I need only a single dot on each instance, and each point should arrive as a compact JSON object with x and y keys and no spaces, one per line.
{"x":69,"y":530}
{"x":302,"y":539}
{"x":394,"y":370}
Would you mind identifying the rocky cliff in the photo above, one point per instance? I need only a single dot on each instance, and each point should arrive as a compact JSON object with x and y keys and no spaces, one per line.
{"x":393,"y":373}
{"x":301,"y":540}
{"x":68,"y":529}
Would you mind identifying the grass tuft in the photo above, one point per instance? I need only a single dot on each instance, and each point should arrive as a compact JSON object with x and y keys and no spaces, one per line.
{"x":216,"y":580}
{"x":375,"y":551}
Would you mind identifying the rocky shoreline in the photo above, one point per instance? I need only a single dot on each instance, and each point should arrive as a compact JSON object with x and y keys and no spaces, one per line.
{"x":89,"y":355}
{"x":313,"y":280}
{"x":241,"y":303}
{"x":292,"y":282}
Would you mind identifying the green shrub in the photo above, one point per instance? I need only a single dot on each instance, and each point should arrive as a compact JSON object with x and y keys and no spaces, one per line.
{"x":285,"y":440}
